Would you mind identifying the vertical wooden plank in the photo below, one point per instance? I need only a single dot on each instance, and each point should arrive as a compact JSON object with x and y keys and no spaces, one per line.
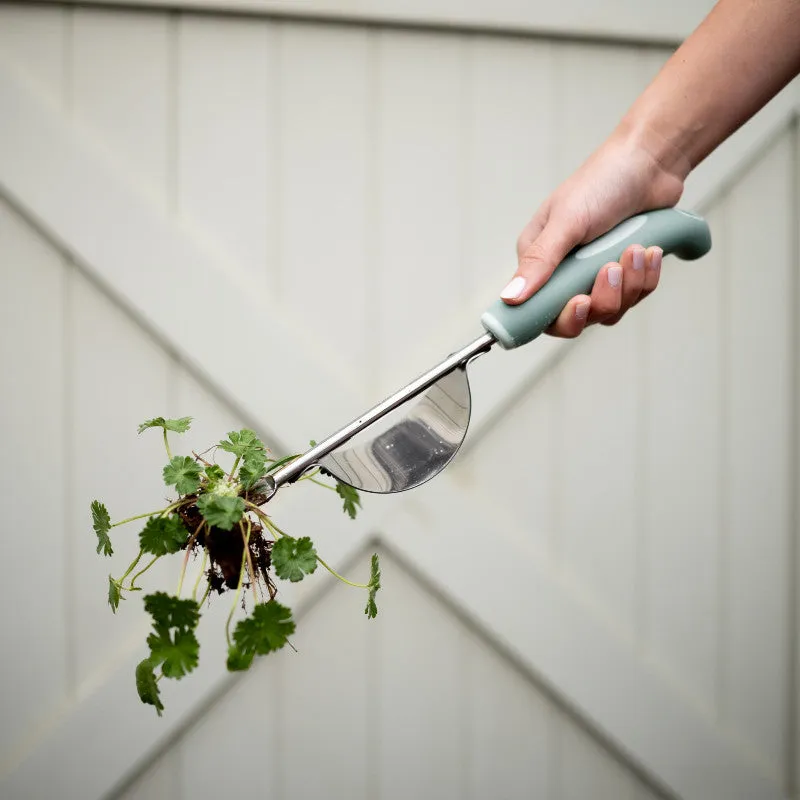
{"x":420,"y":187}
{"x":227,"y":173}
{"x":120,"y":69}
{"x":325,"y":158}
{"x":595,"y":85}
{"x":516,"y":464}
{"x":509,"y":726}
{"x":599,"y":460}
{"x":588,"y":770}
{"x":757,"y":500}
{"x":422,"y":710}
{"x":33,"y":479}
{"x":682,"y":439}
{"x":162,"y":780}
{"x":36,"y":39}
{"x":509,"y":156}
{"x":215,"y":761}
{"x":119,"y":378}
{"x":325,"y":735}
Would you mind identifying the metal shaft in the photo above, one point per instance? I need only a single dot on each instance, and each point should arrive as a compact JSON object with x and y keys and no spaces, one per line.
{"x":297,"y":467}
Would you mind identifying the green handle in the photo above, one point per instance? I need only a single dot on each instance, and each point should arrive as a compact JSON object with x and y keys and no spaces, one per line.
{"x":673,"y":230}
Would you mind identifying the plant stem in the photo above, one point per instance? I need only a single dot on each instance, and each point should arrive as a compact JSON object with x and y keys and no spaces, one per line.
{"x":186,"y":557}
{"x":132,"y":567}
{"x":280,"y":462}
{"x":205,"y":595}
{"x":200,"y":574}
{"x":166,"y":444}
{"x":249,"y":557}
{"x":161,"y":512}
{"x":319,"y":483}
{"x":142,"y":571}
{"x":233,"y":468}
{"x":238,"y":591}
{"x":342,"y":579}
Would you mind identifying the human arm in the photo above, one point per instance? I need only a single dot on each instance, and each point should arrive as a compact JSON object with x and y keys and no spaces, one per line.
{"x":743,"y":54}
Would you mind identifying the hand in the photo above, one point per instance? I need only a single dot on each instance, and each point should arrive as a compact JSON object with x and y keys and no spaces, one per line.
{"x":619,"y":180}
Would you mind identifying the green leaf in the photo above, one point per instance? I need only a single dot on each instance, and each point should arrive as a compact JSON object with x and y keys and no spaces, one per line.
{"x":214,"y":473}
{"x":163,"y":535}
{"x":374,"y":585}
{"x":114,"y":595}
{"x":221,"y":511}
{"x":173,"y":643}
{"x":350,"y":498}
{"x":101,"y":522}
{"x":293,"y":559}
{"x":175,"y":425}
{"x":146,"y":685}
{"x":242,"y":442}
{"x":172,"y":612}
{"x":239,"y":661}
{"x":253,"y":469}
{"x":184,"y":474}
{"x":177,"y":653}
{"x":266,"y":630}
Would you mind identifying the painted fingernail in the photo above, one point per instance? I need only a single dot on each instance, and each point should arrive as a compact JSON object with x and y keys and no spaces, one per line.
{"x":638,"y":258}
{"x":614,"y":276}
{"x":582,"y":310}
{"x":514,"y":288}
{"x":655,"y":259}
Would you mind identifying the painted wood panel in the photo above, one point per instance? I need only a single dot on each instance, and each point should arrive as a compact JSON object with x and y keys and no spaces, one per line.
{"x":327,"y":210}
{"x":618,"y":19}
{"x":35,"y":480}
{"x":420,"y":186}
{"x":122,"y":90}
{"x":508,"y":153}
{"x":594,"y":86}
{"x":119,"y":377}
{"x":681,"y":536}
{"x":600,"y":461}
{"x":36,"y":38}
{"x":757,"y":500}
{"x":457,"y":720}
{"x":227,"y":141}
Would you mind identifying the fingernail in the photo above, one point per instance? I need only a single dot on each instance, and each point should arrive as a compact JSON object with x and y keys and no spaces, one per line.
{"x":614,"y":276}
{"x":655,"y":259}
{"x":582,"y":309}
{"x":514,"y":288}
{"x":638,"y":258}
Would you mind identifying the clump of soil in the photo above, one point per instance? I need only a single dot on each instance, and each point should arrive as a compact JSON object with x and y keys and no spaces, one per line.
{"x":225,"y":550}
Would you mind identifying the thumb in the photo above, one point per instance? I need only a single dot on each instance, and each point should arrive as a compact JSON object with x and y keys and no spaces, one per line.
{"x":538,"y":260}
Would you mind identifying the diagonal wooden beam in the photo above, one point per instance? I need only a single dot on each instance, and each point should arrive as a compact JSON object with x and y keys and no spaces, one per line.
{"x":154,"y":264}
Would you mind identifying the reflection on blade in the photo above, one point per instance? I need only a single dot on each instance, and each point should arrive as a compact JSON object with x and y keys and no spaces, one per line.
{"x":417,"y":444}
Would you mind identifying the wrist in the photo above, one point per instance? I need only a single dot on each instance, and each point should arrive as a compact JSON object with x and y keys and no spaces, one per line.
{"x":663,"y":147}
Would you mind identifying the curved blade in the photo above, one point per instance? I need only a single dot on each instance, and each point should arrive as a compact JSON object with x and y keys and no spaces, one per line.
{"x":411,"y":444}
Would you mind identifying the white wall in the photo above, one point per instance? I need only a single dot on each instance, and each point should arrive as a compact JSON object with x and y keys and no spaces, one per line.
{"x":649,"y":475}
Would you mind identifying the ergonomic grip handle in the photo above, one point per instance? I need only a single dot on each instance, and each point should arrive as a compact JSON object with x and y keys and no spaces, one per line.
{"x":673,"y":230}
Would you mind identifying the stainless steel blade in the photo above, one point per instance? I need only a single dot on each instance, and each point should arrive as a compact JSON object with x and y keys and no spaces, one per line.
{"x":398,"y":445}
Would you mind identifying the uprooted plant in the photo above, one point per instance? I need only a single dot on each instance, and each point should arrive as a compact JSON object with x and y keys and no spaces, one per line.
{"x":218,"y":517}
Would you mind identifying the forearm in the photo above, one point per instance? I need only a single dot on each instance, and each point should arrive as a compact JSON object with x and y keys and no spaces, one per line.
{"x":742,"y":55}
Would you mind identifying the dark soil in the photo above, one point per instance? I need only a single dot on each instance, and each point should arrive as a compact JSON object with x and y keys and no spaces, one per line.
{"x":225,"y":549}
